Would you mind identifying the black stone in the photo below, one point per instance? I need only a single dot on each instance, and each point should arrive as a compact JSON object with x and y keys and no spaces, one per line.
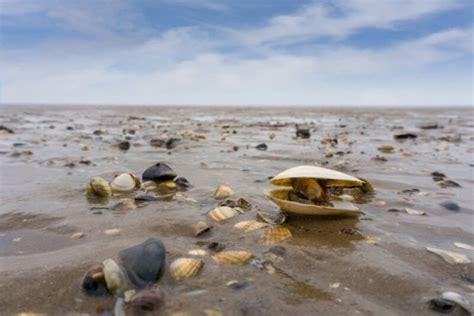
{"x":441,"y":305}
{"x":438,"y":174}
{"x":303,"y":132}
{"x":405,"y":136}
{"x":262,"y":147}
{"x":146,"y":198}
{"x":145,"y":262}
{"x":125,"y":145}
{"x":159,"y":173}
{"x":394,"y":210}
{"x":449,"y":205}
{"x":172,"y":143}
{"x":6,"y":129}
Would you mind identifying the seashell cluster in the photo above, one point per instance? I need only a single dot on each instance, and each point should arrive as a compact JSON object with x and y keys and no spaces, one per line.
{"x":307,"y":191}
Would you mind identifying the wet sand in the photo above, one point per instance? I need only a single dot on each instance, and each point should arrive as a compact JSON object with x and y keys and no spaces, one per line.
{"x":379,"y":259}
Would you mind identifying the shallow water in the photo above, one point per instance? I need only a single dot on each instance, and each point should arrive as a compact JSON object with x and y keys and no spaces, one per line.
{"x":379,"y":259}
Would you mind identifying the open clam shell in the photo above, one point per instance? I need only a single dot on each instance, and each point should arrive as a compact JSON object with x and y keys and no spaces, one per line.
{"x":159,"y":172}
{"x":115,"y":278}
{"x":232,"y":257}
{"x":332,"y":177}
{"x":280,"y":198}
{"x":183,"y":268}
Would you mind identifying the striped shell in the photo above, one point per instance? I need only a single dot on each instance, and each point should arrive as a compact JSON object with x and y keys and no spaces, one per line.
{"x":125,"y":182}
{"x":248,"y":226}
{"x":100,"y":187}
{"x":334,"y":178}
{"x":222,"y":213}
{"x":115,"y":278}
{"x":223,"y":192}
{"x":198,"y":252}
{"x":232,"y":257}
{"x":183,"y":268}
{"x":276,"y":234}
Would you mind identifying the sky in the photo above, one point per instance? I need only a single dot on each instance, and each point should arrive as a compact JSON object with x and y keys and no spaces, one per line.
{"x":237,"y":52}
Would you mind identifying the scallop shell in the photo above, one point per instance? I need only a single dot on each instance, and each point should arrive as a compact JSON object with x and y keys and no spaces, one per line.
{"x":276,"y":234}
{"x":222,"y":213}
{"x":183,"y":268}
{"x":248,"y":226}
{"x":100,"y":187}
{"x":115,"y":278}
{"x":200,"y":228}
{"x":223,"y":192}
{"x":280,"y":198}
{"x":125,"y":182}
{"x":232,"y":257}
{"x":334,"y":178}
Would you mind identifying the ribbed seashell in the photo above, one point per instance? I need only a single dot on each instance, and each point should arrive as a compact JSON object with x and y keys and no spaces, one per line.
{"x":276,"y":234}
{"x":183,"y":268}
{"x":222,"y":213}
{"x":200,"y":228}
{"x":232,"y":257}
{"x":125,"y":182}
{"x":223,"y":192}
{"x":248,"y":226}
{"x":115,"y":278}
{"x":100,"y":187}
{"x":198,"y":252}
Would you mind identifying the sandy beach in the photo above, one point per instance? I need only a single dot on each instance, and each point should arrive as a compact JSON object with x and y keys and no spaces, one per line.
{"x":374,"y":264}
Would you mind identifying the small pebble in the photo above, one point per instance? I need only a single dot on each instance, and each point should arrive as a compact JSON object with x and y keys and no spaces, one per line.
{"x":112,"y":232}
{"x":261,"y":147}
{"x":449,"y":205}
{"x":78,"y":235}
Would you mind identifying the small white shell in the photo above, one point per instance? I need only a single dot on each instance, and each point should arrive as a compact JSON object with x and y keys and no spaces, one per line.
{"x":124,"y":182}
{"x":198,"y":252}
{"x":183,"y":268}
{"x":222,"y":213}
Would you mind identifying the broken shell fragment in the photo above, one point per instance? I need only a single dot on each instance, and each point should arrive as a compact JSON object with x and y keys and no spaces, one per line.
{"x":276,"y":234}
{"x":115,"y":278}
{"x":271,"y":218}
{"x":159,"y":173}
{"x":99,"y":187}
{"x":223,"y":213}
{"x":223,"y":192}
{"x":183,"y":268}
{"x":449,"y":256}
{"x":200,"y":228}
{"x":248,"y":226}
{"x":232,"y":257}
{"x":125,"y":182}
{"x":93,"y":282}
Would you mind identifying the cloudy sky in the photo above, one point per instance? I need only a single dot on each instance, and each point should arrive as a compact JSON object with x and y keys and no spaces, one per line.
{"x":294,"y":52}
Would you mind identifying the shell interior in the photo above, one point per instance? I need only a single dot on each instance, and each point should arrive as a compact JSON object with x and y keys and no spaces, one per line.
{"x":334,"y":178}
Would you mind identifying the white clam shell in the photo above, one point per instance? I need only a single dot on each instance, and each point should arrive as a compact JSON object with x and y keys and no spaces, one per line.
{"x":123,"y":183}
{"x":222,"y":213}
{"x":335,"y":178}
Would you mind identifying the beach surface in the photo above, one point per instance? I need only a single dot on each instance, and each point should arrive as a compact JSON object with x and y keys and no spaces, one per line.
{"x":375,"y":264}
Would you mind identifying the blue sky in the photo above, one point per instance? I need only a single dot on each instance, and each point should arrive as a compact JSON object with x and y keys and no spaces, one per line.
{"x":211,"y":52}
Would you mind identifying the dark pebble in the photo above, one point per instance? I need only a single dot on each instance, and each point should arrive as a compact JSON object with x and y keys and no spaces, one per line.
{"x":146,"y":198}
{"x":394,"y":210}
{"x":449,"y":184}
{"x":6,"y":129}
{"x":182,"y":183}
{"x":159,"y":172}
{"x":410,"y":191}
{"x":239,"y":285}
{"x":449,"y":205}
{"x":303,"y":132}
{"x":125,"y":145}
{"x":438,"y":174}
{"x":172,"y":143}
{"x":405,"y":136}
{"x":262,"y":147}
{"x":441,"y":305}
